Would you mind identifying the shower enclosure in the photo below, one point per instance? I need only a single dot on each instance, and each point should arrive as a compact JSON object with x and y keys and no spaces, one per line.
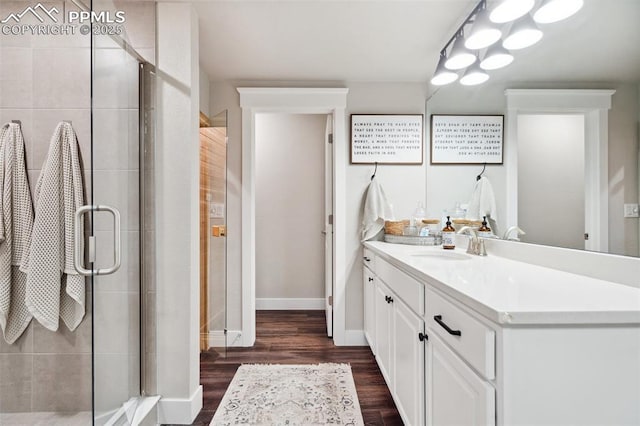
{"x":96,"y":71}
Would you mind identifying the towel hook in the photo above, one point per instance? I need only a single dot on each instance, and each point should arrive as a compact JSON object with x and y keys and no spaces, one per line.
{"x":483,"y":168}
{"x":374,"y":171}
{"x":18,"y":122}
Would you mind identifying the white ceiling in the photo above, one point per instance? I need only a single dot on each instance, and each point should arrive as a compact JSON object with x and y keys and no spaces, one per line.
{"x":399,"y":41}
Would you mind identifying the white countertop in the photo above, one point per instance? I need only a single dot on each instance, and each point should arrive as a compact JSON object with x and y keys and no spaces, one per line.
{"x":511,"y":292}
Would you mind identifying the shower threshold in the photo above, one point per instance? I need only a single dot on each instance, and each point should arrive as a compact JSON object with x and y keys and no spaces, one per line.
{"x":137,"y":411}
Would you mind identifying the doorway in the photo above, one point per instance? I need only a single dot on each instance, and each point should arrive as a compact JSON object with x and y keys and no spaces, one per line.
{"x":551,"y":172}
{"x":213,"y":232}
{"x":290,"y":211}
{"x":593,"y":106}
{"x":293,"y":100}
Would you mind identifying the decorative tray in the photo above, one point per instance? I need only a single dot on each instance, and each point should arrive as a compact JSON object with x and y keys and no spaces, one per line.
{"x":431,"y":240}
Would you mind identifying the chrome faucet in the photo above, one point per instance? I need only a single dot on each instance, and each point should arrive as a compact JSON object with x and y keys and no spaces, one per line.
{"x":507,"y":234}
{"x":476,"y":244}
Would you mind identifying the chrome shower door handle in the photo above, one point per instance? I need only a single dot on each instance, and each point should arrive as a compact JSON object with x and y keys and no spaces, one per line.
{"x":78,"y":252}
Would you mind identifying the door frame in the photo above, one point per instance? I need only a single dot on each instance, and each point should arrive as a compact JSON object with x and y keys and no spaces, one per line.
{"x":594,"y":105}
{"x":255,"y":100}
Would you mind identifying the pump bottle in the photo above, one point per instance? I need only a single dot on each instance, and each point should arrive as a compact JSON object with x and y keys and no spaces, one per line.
{"x":448,"y":236}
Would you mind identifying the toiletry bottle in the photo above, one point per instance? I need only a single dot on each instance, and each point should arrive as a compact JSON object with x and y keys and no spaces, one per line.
{"x":418,"y":215}
{"x":484,"y":231}
{"x":448,"y":236}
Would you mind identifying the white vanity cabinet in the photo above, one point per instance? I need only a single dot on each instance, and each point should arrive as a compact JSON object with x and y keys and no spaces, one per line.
{"x":369,"y":290}
{"x":408,"y":358}
{"x":396,"y":330}
{"x":497,"y":342}
{"x":383,"y":325}
{"x":460,"y":363}
{"x":455,"y":394}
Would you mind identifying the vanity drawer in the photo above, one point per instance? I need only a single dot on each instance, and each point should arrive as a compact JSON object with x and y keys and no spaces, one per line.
{"x":471,"y":339}
{"x":406,"y":288}
{"x":369,"y":258}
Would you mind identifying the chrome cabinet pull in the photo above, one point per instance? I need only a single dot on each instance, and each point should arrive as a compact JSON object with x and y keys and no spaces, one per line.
{"x":78,"y":255}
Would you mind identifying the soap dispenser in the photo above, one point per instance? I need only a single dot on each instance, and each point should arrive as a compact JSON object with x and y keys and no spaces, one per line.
{"x":484,"y":231}
{"x":448,"y":236}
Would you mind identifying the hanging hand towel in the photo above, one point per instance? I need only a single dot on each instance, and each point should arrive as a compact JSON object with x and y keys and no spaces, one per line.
{"x":483,"y":201}
{"x":16,"y":221}
{"x":376,"y":210}
{"x":54,"y":287}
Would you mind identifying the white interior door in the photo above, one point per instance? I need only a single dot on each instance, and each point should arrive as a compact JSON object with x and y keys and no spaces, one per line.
{"x":328,"y":225}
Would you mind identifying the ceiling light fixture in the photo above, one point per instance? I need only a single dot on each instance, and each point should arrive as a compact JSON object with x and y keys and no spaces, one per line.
{"x":496,"y":57}
{"x":459,"y":57}
{"x":484,"y":33}
{"x":556,"y":10}
{"x":524,"y":33}
{"x":442,"y":75}
{"x":510,"y":10}
{"x":474,"y":75}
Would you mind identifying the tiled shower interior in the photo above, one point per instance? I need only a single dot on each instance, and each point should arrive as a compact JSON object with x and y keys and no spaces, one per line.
{"x":45,"y":80}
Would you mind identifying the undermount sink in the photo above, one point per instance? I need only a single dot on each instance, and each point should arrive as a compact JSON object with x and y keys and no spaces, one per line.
{"x":442,"y":255}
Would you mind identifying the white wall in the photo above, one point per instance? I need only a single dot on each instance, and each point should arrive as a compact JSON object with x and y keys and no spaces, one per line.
{"x":624,"y":169}
{"x":404,"y":185}
{"x":289,"y":205}
{"x":551,"y":179}
{"x":205,"y":88}
{"x":177,"y":189}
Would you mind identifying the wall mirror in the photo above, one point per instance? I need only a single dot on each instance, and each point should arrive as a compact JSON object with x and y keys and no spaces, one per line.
{"x":590,"y":50}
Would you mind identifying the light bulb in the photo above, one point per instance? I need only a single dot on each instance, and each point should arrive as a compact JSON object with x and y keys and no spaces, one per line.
{"x":473,"y":76}
{"x":524,"y":33}
{"x":460,"y":57}
{"x":496,"y":57}
{"x":443,"y":76}
{"x":556,"y":10}
{"x":510,"y":10}
{"x":483,"y":33}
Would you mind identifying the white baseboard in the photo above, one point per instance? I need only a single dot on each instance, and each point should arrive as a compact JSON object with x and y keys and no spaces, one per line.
{"x":289,"y":304}
{"x":181,"y":411}
{"x":217,"y":340}
{"x":355,"y":338}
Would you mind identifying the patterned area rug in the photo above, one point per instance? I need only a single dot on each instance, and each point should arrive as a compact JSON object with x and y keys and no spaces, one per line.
{"x":320,"y":394}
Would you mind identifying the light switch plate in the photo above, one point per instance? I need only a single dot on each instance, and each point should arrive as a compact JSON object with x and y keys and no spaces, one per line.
{"x":631,"y":210}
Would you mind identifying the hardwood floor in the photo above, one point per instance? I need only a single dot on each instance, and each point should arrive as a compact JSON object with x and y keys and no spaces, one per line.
{"x":297,"y":337}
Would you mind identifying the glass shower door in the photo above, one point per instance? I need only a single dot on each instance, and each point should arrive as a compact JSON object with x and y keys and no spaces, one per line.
{"x":121,"y":166}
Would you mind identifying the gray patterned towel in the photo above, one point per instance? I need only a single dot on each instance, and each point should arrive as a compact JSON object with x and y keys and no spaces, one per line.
{"x":16,"y":221}
{"x":54,"y":287}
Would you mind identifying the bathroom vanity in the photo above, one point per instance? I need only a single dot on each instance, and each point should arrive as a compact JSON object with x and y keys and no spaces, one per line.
{"x":470,"y":340}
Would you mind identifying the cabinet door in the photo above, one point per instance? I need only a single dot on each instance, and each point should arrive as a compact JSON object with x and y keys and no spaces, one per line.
{"x":408,"y":373}
{"x":383,"y":328}
{"x":369,"y":307}
{"x":455,"y":394}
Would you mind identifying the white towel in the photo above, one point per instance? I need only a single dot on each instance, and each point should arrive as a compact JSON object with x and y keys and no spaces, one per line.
{"x":16,"y":221}
{"x":483,"y":201}
{"x":54,"y":287}
{"x":376,"y":210}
